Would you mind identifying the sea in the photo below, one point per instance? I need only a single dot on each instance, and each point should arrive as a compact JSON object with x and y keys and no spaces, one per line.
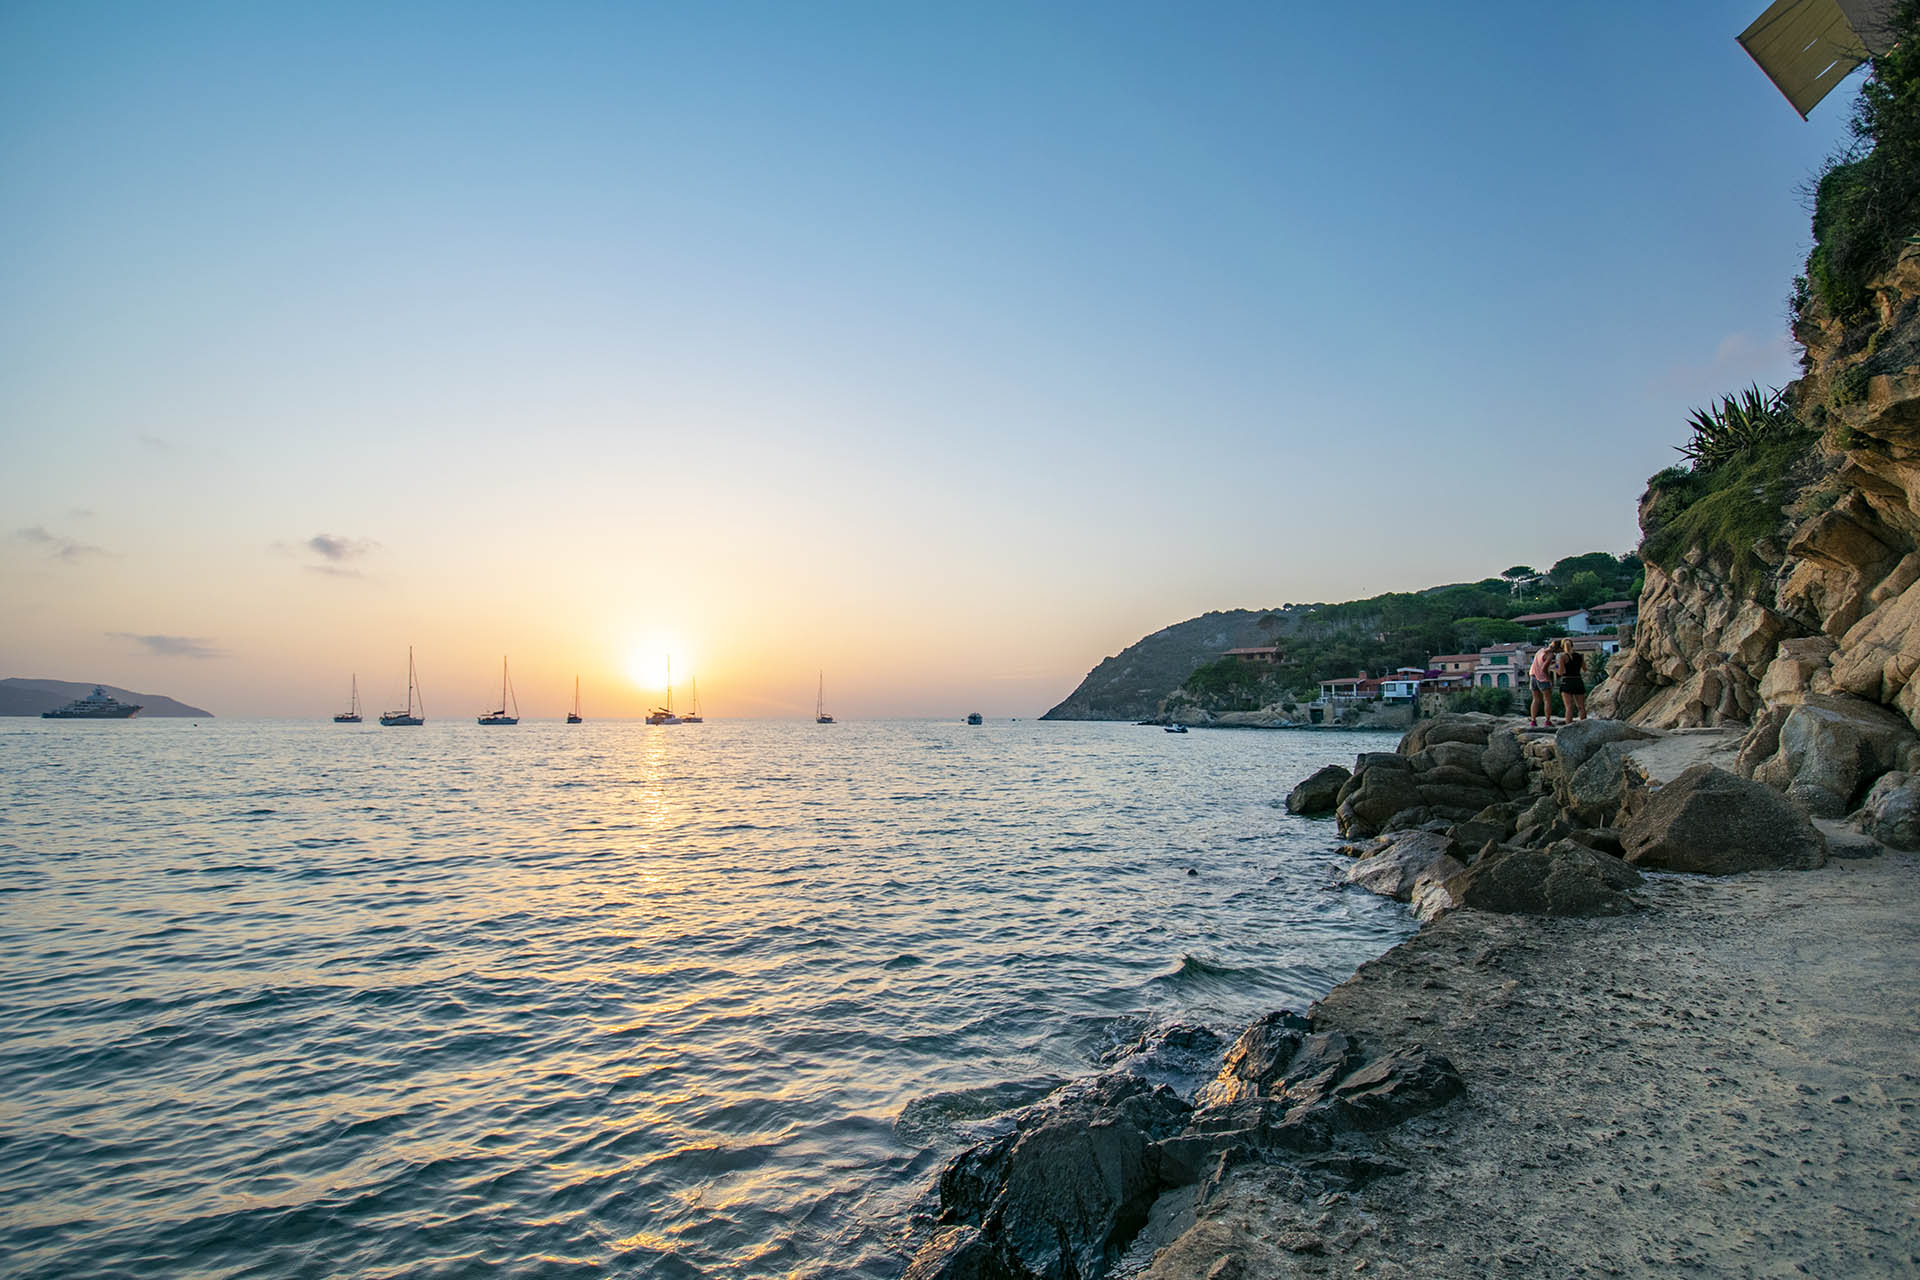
{"x":285,"y":999}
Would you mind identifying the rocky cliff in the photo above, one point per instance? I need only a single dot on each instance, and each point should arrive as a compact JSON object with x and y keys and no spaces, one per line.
{"x":1829,"y":626}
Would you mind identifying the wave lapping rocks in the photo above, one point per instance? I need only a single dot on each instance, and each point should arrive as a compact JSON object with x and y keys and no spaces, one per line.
{"x":1066,"y":1190}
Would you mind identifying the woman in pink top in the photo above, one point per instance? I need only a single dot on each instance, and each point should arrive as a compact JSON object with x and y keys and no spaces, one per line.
{"x":1540,"y":681}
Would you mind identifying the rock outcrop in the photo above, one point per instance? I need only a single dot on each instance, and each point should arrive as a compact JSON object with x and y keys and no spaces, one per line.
{"x":1061,"y":1193}
{"x":1839,"y":609}
{"x":1708,"y":820}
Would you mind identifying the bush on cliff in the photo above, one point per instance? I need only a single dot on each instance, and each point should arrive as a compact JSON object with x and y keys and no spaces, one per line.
{"x":1724,"y":511}
{"x":1867,"y":200}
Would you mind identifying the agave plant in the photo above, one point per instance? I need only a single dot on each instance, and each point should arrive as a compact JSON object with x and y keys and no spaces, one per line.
{"x":1738,"y":424}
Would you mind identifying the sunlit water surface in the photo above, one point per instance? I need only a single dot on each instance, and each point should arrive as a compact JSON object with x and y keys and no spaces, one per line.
{"x":297,"y":1000}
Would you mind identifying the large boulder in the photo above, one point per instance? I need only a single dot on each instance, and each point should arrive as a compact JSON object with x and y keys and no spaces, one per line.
{"x":1060,"y":1196}
{"x":1576,"y":742}
{"x":1564,"y":879}
{"x":1707,"y":820}
{"x":1472,"y":727}
{"x":1382,"y":785}
{"x":1607,"y":783}
{"x":1891,"y":811}
{"x":1827,"y":749}
{"x":1319,"y":794}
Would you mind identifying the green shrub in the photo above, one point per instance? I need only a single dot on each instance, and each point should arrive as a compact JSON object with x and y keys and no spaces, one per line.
{"x":1725,"y":511}
{"x":1867,"y":201}
{"x":1849,"y":386}
{"x":1739,"y":424}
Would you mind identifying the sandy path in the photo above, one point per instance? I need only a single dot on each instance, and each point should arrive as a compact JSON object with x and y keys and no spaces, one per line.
{"x":1725,"y":1085}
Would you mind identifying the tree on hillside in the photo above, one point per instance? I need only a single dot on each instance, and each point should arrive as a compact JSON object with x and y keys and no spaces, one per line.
{"x":1520,"y":571}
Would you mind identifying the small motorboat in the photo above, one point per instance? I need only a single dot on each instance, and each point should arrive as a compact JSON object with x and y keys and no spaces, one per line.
{"x":974,"y":717}
{"x":1176,"y":728}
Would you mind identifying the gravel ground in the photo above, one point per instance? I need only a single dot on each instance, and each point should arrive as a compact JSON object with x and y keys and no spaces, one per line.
{"x":1726,"y":1084}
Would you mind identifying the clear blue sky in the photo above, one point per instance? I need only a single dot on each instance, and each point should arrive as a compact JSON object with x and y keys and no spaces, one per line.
{"x":948,"y":348}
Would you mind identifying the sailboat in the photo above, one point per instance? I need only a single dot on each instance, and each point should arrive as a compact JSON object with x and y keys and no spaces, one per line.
{"x":506,"y":696}
{"x":409,"y":716}
{"x":820,"y":715}
{"x":664,"y":715}
{"x":573,"y":716}
{"x":694,"y":716}
{"x":352,"y":714}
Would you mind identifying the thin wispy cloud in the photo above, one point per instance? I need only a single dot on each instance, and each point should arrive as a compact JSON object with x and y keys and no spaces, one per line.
{"x":334,"y":554}
{"x":58,"y":547}
{"x":158,"y":444}
{"x":333,"y":547}
{"x":172,"y":646}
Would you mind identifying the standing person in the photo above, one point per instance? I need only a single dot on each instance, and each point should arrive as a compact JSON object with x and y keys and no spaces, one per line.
{"x":1540,"y":682}
{"x":1573,"y":684}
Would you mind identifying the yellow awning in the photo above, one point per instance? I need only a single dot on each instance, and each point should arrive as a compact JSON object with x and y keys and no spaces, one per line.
{"x":1806,"y":47}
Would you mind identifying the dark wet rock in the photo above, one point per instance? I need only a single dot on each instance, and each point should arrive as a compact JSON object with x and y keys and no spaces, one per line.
{"x":1576,"y":742}
{"x":1891,"y":811}
{"x":1607,"y":784}
{"x":1396,"y":1087}
{"x":1709,"y":821}
{"x":1063,"y":1193}
{"x":959,"y":1253}
{"x":1323,"y":1060}
{"x":1257,"y":1059}
{"x":1320,"y":793}
{"x":1564,"y":879}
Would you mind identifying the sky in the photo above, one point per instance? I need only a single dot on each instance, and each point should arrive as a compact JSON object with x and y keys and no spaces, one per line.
{"x":941,"y":349}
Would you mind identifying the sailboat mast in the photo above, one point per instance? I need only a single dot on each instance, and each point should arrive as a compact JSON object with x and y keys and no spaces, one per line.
{"x":669,"y":682}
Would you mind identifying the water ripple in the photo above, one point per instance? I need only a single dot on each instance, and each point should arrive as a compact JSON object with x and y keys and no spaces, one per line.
{"x":310,"y":1000}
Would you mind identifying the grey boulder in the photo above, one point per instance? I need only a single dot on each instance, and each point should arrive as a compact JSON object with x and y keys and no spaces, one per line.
{"x":1320,"y":793}
{"x":1707,"y":820}
{"x":1564,"y":879}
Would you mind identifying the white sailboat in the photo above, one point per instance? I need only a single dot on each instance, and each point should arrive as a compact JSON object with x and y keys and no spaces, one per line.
{"x":820,"y":715}
{"x":694,"y":716}
{"x":506,"y":698}
{"x":664,"y":715}
{"x":352,"y":714}
{"x":573,"y":716}
{"x":409,"y":716}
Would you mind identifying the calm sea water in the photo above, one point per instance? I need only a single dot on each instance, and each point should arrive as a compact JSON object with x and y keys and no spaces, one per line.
{"x":287,"y":999}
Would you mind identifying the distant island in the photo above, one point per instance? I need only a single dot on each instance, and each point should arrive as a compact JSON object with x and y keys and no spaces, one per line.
{"x":21,"y":697}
